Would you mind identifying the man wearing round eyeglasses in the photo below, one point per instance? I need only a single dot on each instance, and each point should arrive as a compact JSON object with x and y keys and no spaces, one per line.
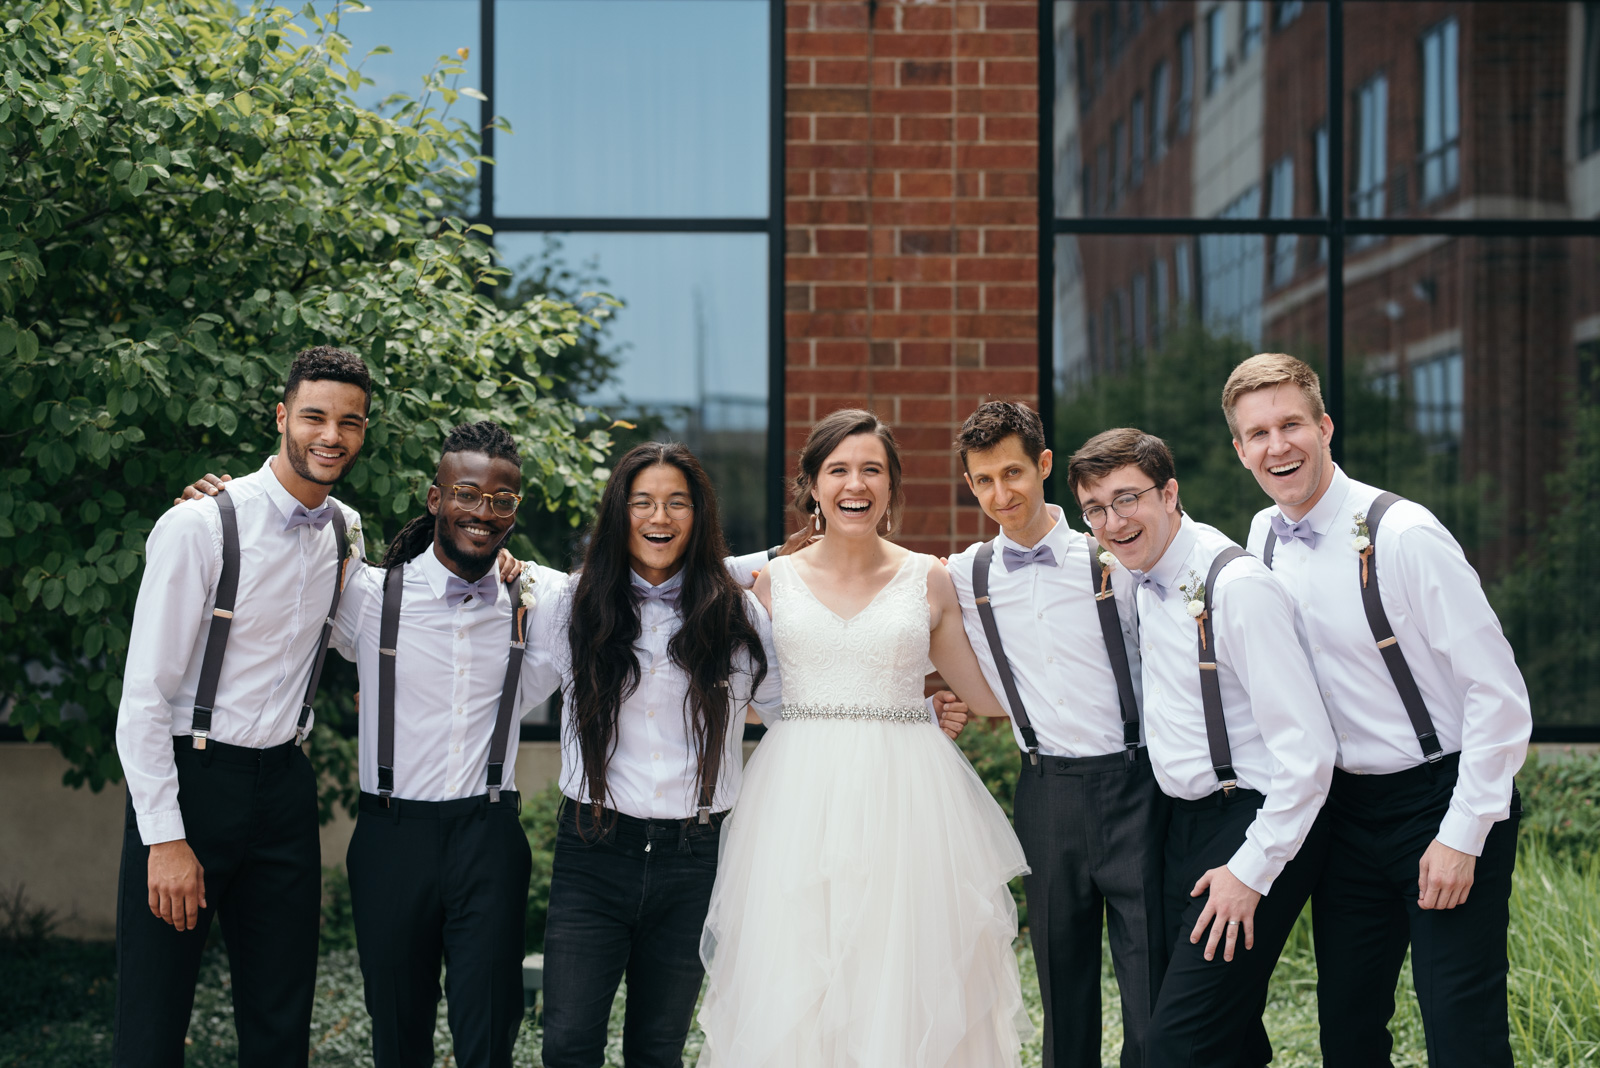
{"x":1238,"y":739}
{"x":439,"y":865}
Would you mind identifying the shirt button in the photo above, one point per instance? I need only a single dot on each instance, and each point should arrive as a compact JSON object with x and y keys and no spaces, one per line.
{"x":651,"y":714}
{"x":658,"y":793}
{"x":1327,"y":693}
{"x":1344,"y":737}
{"x":655,"y":756}
{"x":1304,"y":607}
{"x":461,"y":711}
{"x":1316,"y":648}
{"x":1049,"y":660}
{"x":457,"y":749}
{"x":461,"y":634}
{"x":1059,"y":701}
{"x":1039,"y":614}
{"x":461,"y":671}
{"x":1149,"y":648}
{"x":652,"y":671}
{"x":654,"y":629}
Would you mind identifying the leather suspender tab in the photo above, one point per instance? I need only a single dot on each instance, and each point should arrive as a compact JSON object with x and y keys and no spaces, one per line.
{"x":1210,"y":686}
{"x":205,"y":695}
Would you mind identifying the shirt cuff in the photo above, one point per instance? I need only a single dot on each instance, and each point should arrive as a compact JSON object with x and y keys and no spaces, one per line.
{"x":158,"y":827}
{"x":744,"y":568}
{"x":1251,"y":867}
{"x":1465,"y":833}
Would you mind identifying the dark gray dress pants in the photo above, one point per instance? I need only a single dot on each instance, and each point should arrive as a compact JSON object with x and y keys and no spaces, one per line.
{"x":1093,"y":831}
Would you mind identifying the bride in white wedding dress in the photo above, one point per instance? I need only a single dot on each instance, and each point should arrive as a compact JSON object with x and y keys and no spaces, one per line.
{"x":861,"y":917}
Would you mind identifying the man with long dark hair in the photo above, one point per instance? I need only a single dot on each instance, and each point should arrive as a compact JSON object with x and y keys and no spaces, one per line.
{"x":227,"y":639}
{"x":439,"y":865}
{"x":662,"y":652}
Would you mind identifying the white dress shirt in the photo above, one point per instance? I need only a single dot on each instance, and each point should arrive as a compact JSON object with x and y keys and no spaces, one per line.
{"x":1277,"y":728}
{"x":652,"y":772}
{"x":1450,"y":636}
{"x":286,"y":582}
{"x":1050,"y":629}
{"x":449,"y":671}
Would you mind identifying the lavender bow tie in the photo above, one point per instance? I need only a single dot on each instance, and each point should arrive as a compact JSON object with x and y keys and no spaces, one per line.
{"x":1146,"y":582}
{"x":1018,"y":558}
{"x":1299,"y":531}
{"x":318,"y":519}
{"x":457,"y":590}
{"x":667,"y":595}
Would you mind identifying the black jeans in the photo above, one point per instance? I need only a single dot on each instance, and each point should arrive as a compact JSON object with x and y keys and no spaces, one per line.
{"x":630,"y":902}
{"x":1093,"y":831}
{"x":432,"y":882}
{"x":1209,"y":1012}
{"x":1365,"y":913}
{"x":250,"y":815}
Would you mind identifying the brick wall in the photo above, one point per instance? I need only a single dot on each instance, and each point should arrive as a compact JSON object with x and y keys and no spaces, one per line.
{"x":912,"y":213}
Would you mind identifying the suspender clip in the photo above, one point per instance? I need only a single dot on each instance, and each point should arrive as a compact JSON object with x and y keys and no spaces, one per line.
{"x":705,"y":815}
{"x":385,"y":783}
{"x":200,"y":739}
{"x":494,"y":795}
{"x":1131,"y":752}
{"x":1033,"y":754}
{"x":1431,"y":748}
{"x":1229,"y":786}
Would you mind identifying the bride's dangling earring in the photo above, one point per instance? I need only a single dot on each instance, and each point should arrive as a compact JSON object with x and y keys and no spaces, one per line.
{"x":816,"y":521}
{"x":888,"y":523}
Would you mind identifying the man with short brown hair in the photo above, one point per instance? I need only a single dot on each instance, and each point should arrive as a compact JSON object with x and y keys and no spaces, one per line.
{"x":1432,"y":719}
{"x":1238,"y":739}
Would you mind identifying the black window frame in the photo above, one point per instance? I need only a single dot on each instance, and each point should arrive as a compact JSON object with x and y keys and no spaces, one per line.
{"x":1332,"y":229}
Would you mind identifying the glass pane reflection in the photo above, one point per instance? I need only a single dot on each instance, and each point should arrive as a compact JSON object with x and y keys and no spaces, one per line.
{"x":692,"y":348}
{"x":642,"y":108}
{"x":1184,"y":111}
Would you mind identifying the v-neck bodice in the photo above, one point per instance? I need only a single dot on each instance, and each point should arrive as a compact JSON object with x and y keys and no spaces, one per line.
{"x":870,"y":665}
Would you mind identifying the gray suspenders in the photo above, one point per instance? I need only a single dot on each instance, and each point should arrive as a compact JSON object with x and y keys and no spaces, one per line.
{"x":1388,"y":645}
{"x":205,"y":694}
{"x":1111,"y":630}
{"x":388,"y":637}
{"x":1210,"y":688}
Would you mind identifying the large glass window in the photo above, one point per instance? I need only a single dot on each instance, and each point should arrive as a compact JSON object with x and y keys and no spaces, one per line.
{"x":1413,"y":190}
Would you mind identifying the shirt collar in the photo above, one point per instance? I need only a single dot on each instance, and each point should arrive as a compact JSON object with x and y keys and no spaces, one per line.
{"x":1169,"y":569}
{"x":1058,"y":537}
{"x":438,"y":576}
{"x":675,"y":580}
{"x":281,"y":498}
{"x":1327,"y":511}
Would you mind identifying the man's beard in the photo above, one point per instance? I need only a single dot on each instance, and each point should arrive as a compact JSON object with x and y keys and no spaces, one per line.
{"x":465,"y":560}
{"x":302,"y":466}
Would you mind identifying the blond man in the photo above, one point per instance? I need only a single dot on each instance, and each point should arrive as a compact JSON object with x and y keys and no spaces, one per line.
{"x":1432,"y":721}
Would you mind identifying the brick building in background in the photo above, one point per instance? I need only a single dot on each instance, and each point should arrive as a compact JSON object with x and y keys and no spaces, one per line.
{"x":912,"y":225}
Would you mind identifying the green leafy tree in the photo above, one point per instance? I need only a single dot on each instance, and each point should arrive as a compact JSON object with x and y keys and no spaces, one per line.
{"x":188,"y":196}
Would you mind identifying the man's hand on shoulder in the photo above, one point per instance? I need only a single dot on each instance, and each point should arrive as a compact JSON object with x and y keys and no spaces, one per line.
{"x":510,"y":566}
{"x":177,"y":884}
{"x":207,"y":485}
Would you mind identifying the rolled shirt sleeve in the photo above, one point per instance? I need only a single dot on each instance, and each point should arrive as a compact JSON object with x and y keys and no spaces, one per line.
{"x":183,"y":559}
{"x":767,"y":698}
{"x":1463,"y":633}
{"x":1255,"y":622}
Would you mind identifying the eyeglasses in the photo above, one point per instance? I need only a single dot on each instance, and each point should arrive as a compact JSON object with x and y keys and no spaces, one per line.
{"x":1124,"y":504}
{"x":503,"y":505}
{"x":645,"y":507}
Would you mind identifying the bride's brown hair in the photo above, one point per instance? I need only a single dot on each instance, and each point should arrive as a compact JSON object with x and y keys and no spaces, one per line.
{"x":827,"y":436}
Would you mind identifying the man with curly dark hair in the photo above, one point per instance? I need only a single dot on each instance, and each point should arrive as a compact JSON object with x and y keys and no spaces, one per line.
{"x":228,"y":638}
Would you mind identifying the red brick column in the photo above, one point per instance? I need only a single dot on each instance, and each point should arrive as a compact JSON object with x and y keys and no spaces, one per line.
{"x":912,"y":213}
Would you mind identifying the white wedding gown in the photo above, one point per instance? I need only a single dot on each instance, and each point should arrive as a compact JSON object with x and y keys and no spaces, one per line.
{"x":860,"y":917}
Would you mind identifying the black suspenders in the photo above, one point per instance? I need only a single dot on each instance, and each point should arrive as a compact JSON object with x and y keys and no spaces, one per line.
{"x":388,"y":637}
{"x":1210,"y":687}
{"x":205,"y":694}
{"x":1110,"y":628}
{"x":1388,"y":645}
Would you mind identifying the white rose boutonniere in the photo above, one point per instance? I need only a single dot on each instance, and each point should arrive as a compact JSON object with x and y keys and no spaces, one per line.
{"x":1362,"y":543}
{"x":528,"y":598}
{"x":352,"y":537}
{"x":1107,"y":561}
{"x":1194,"y":595}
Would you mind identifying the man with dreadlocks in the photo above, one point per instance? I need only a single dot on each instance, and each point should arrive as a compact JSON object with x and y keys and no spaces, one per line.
{"x":438,"y":864}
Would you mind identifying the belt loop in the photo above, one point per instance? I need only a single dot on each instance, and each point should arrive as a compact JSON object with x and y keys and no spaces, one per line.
{"x":683,"y":836}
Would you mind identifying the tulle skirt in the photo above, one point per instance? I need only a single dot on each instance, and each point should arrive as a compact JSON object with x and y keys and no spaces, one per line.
{"x":861,"y":917}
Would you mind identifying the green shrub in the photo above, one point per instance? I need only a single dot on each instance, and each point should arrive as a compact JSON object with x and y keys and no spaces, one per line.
{"x":1559,"y":811}
{"x":539,"y":815}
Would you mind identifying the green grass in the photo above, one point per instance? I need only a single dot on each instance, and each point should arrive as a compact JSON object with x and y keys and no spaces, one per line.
{"x":55,"y":1004}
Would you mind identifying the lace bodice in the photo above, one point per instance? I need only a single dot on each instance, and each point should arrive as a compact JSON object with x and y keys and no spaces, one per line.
{"x":868,"y":666}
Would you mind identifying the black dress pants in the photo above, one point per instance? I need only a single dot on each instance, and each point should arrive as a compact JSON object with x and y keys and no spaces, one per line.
{"x":250,"y":815}
{"x":1365,"y":913}
{"x":436,"y":882}
{"x":1093,"y":830}
{"x":1208,"y":1014}
{"x":630,"y":902}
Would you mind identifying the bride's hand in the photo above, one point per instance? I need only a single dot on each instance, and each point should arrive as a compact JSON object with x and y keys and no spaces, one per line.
{"x":798,"y":540}
{"x":207,"y":485}
{"x":952,"y":713}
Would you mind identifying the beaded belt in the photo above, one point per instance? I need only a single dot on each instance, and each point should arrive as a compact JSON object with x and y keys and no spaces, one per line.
{"x":903,"y":714}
